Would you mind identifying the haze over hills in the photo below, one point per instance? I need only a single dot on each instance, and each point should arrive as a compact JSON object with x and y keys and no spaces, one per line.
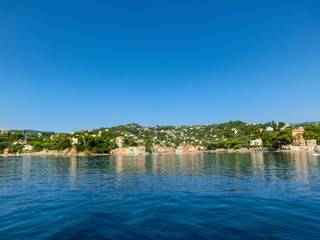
{"x":30,"y":131}
{"x":303,"y":123}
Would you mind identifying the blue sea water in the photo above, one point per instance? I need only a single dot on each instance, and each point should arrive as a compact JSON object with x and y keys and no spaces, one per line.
{"x":203,"y":196}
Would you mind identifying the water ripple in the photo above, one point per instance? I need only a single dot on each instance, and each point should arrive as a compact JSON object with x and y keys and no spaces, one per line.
{"x":223,"y":196}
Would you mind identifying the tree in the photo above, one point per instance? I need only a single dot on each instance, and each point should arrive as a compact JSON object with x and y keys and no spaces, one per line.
{"x":129,"y":142}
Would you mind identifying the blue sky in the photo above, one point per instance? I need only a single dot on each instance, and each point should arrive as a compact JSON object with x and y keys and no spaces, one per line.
{"x":71,"y":65}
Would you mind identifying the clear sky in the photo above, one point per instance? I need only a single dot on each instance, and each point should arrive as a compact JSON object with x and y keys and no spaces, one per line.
{"x":71,"y":65}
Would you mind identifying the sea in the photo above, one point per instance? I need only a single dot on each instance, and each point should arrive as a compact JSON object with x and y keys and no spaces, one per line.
{"x":197,"y":196}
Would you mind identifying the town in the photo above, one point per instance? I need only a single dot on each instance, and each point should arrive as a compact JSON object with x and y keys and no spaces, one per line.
{"x":133,"y":139}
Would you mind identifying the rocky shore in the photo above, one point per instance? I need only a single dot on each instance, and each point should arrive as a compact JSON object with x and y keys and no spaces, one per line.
{"x":44,"y":153}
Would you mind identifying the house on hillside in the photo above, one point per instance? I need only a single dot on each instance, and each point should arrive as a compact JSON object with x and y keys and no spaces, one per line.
{"x":3,"y":130}
{"x":269,"y":129}
{"x":119,"y":141}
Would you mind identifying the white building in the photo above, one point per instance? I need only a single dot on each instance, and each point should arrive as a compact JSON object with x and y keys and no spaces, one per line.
{"x":119,"y":141}
{"x":28,"y":147}
{"x":74,"y":140}
{"x":256,"y":142}
{"x":269,"y":129}
{"x":284,"y":127}
{"x":311,"y":143}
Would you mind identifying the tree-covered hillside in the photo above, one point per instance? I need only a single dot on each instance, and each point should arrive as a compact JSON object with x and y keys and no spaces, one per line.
{"x":233,"y":134}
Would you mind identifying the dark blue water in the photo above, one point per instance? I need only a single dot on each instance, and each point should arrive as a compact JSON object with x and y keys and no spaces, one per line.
{"x":207,"y":196}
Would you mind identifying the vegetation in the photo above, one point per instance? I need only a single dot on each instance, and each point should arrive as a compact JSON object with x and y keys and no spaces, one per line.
{"x":234,"y":134}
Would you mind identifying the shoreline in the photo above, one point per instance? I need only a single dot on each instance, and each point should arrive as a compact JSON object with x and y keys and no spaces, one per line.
{"x":54,"y":154}
{"x":83,"y":154}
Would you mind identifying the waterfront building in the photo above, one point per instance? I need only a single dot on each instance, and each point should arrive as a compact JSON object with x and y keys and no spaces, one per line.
{"x":6,"y":151}
{"x":220,"y":150}
{"x":132,"y":150}
{"x":297,"y":135}
{"x":122,"y":150}
{"x":141,"y":150}
{"x":286,"y":147}
{"x":294,"y":148}
{"x":185,"y":149}
{"x":256,"y":142}
{"x":179,"y":150}
{"x":192,"y":149}
{"x":311,"y":143}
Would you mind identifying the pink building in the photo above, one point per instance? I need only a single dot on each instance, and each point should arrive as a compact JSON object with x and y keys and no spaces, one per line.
{"x":185,"y":149}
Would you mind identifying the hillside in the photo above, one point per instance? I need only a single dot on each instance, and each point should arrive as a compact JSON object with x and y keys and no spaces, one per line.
{"x":233,"y":134}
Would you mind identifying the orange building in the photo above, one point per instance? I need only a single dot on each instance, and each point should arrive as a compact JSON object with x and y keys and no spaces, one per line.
{"x":185,"y":149}
{"x":140,"y":150}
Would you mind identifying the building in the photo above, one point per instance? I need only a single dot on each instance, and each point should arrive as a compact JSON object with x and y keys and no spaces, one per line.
{"x":3,"y":130}
{"x":256,"y":142}
{"x":19,"y":142}
{"x":260,"y":129}
{"x":284,"y":127}
{"x":269,"y":129}
{"x":74,"y":140}
{"x":119,"y":141}
{"x":311,"y":143}
{"x":141,"y":150}
{"x":294,"y":148}
{"x":200,"y":148}
{"x":185,"y":149}
{"x":193,"y":149}
{"x":179,"y":150}
{"x":132,"y":150}
{"x":297,"y":137}
{"x":235,"y":131}
{"x":6,"y":151}
{"x":28,"y":148}
{"x":122,"y":150}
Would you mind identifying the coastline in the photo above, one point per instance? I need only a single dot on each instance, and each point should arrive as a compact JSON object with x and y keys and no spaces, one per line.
{"x":54,"y":153}
{"x":70,"y":153}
